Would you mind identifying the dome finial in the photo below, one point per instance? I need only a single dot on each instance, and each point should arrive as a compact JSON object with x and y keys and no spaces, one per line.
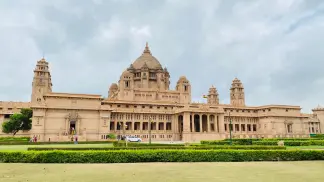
{"x":147,"y":49}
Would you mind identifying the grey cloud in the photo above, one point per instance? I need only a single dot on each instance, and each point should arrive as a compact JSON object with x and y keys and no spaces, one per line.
{"x":274,"y":47}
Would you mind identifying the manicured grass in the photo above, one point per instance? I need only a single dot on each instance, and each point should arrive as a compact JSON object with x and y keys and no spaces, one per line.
{"x":24,"y":147}
{"x":171,"y":172}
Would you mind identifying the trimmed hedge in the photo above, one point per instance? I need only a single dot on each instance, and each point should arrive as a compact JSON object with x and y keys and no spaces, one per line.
{"x":201,"y":147}
{"x":134,"y":156}
{"x":133,"y":144}
{"x":14,"y":139}
{"x":292,"y":143}
{"x":215,"y":142}
{"x":46,"y":143}
{"x":307,"y":142}
{"x":317,"y":136}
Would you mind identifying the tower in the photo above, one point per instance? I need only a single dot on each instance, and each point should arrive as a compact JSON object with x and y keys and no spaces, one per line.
{"x":212,"y":97}
{"x":319,"y":115}
{"x":42,"y":82}
{"x":184,"y":87}
{"x":237,"y":93}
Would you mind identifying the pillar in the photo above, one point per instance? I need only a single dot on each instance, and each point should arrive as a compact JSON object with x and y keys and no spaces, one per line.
{"x":216,"y":123}
{"x":221,"y":123}
{"x":79,"y":126}
{"x":200,"y":122}
{"x":66,"y":125}
{"x":208,"y":123}
{"x":192,"y":123}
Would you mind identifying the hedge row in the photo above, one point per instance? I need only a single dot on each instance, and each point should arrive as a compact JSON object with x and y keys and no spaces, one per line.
{"x":201,"y":147}
{"x":292,"y":143}
{"x":46,"y":143}
{"x":317,"y":136}
{"x":133,"y":156}
{"x":133,"y":144}
{"x":264,"y":142}
{"x":14,"y":138}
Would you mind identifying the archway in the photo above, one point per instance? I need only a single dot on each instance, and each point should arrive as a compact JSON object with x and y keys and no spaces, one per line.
{"x":180,"y":125}
{"x":72,"y":127}
{"x":197,"y":123}
{"x":204,"y":123}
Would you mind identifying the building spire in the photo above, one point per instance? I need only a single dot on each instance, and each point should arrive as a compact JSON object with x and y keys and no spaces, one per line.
{"x":147,"y":49}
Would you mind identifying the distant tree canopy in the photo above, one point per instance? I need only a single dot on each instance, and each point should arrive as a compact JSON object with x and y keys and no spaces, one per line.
{"x":18,"y":121}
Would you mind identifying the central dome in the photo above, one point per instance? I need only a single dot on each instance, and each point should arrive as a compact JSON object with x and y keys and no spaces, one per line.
{"x":148,"y":59}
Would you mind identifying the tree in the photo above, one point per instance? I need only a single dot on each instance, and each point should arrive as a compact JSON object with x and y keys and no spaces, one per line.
{"x":18,"y":121}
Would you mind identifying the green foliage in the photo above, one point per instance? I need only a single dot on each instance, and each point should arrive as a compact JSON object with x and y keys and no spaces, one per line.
{"x":196,"y":147}
{"x":134,"y":144}
{"x":320,"y":136}
{"x":136,"y":156}
{"x":271,"y":141}
{"x":18,"y":121}
{"x":14,"y":139}
{"x":216,"y":142}
{"x":111,"y":136}
{"x":46,"y":143}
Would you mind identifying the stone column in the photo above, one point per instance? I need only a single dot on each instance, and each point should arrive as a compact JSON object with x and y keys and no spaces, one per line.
{"x":192,"y":123}
{"x":79,"y":126}
{"x":221,"y":123}
{"x":208,"y":123}
{"x":200,"y":122}
{"x":216,"y":123}
{"x":66,"y":125}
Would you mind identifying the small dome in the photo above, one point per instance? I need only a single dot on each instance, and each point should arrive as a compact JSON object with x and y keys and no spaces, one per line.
{"x":113,"y":86}
{"x":182,"y":79}
{"x":125,"y":72}
{"x":236,"y":80}
{"x":148,"y":59}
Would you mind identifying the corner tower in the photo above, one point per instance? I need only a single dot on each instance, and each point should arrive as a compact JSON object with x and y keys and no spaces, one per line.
{"x":319,"y":115}
{"x":237,"y":93}
{"x":212,"y":97}
{"x":42,"y":82}
{"x":184,"y":87}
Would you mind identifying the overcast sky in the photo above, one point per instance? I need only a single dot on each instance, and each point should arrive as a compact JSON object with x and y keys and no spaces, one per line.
{"x":275,"y":47}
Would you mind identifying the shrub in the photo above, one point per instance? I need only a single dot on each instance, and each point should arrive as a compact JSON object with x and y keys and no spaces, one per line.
{"x":14,"y":139}
{"x":286,"y":143}
{"x":201,"y":147}
{"x":135,"y":156}
{"x":46,"y":143}
{"x":215,"y":142}
{"x":111,"y":136}
{"x":133,"y":144}
{"x":317,"y":136}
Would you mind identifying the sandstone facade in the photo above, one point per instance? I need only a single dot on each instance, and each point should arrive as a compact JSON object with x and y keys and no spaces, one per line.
{"x":143,"y":96}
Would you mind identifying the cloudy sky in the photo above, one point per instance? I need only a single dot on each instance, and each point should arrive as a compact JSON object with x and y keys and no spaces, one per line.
{"x":275,"y":47}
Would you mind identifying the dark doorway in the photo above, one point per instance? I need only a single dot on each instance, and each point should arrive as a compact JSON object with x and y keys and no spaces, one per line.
{"x":72,"y":127}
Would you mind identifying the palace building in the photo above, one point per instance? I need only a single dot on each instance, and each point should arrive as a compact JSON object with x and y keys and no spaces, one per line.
{"x":142,"y":100}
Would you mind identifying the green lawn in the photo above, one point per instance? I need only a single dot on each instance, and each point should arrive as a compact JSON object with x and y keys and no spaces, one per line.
{"x":170,"y":172}
{"x":24,"y":147}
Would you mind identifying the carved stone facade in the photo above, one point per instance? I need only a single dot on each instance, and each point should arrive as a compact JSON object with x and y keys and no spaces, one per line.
{"x":143,"y":97}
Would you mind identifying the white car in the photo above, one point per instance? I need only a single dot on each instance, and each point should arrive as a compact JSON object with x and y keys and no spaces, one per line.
{"x":133,"y":139}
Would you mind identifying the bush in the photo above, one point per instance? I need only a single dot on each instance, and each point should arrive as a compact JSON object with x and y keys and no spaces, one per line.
{"x":286,"y":143}
{"x":133,"y":144}
{"x":135,"y":156}
{"x":14,"y":139}
{"x":201,"y":147}
{"x":46,"y":143}
{"x":111,"y":136}
{"x":215,"y":142}
{"x":317,"y":136}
